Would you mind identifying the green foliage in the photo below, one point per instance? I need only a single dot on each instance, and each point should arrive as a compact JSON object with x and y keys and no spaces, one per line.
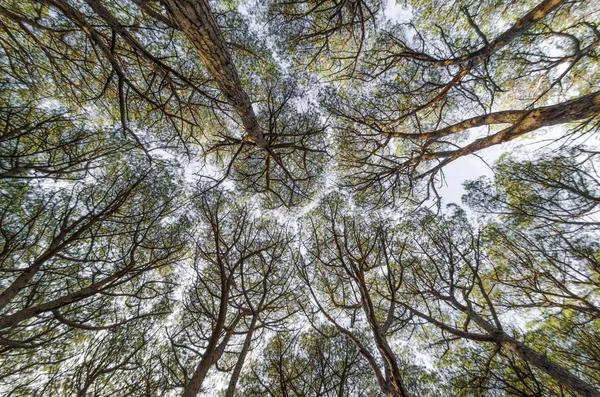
{"x":306,"y":364}
{"x":279,"y":231}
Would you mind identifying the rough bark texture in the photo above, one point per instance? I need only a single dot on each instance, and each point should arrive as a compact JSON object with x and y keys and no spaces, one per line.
{"x":495,"y":334}
{"x":195,"y":18}
{"x":523,"y":122}
{"x":556,"y":371}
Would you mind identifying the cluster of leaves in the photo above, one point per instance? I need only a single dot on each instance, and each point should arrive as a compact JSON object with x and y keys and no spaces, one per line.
{"x":198,"y":199}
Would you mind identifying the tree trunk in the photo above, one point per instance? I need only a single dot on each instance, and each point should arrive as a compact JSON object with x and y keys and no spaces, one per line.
{"x":394,"y":383}
{"x":560,"y":374}
{"x":195,"y":18}
{"x":241,"y":358}
{"x":213,"y":353}
{"x":556,"y":371}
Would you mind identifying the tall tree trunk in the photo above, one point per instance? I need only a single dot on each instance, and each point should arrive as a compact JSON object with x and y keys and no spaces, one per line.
{"x":556,"y":371}
{"x":193,"y":387}
{"x":395,"y":385}
{"x":195,"y":18}
{"x":559,"y":373}
{"x":241,"y":358}
{"x":211,"y":354}
{"x":394,"y":382}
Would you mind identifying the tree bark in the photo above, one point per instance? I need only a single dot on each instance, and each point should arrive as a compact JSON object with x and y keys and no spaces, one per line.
{"x":235,"y":375}
{"x":556,"y":371}
{"x":523,"y":122}
{"x":498,"y":336}
{"x":394,"y":382}
{"x":559,"y":373}
{"x":211,"y":354}
{"x":195,"y":19}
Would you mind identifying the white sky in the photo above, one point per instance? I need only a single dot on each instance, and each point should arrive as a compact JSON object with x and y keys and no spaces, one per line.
{"x":472,"y":167}
{"x":396,"y":12}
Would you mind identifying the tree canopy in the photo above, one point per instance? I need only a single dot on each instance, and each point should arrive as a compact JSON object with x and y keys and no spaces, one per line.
{"x":247,"y":198}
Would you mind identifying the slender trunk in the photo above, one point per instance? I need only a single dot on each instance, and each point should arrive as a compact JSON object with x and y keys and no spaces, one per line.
{"x":556,"y":371}
{"x":395,"y":386}
{"x":193,"y":387}
{"x":212,"y":353}
{"x":381,"y":380}
{"x":343,"y":376}
{"x":394,"y":383}
{"x":195,"y":18}
{"x":559,"y":373}
{"x":215,"y":349}
{"x":565,"y":112}
{"x":241,"y":358}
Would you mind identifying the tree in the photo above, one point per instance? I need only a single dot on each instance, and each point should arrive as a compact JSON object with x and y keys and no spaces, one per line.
{"x":553,"y":188}
{"x":161,"y":89}
{"x":113,"y":361}
{"x":228,"y":198}
{"x":433,"y":85}
{"x":342,"y":272}
{"x":307,"y":364}
{"x":92,"y":256}
{"x":454,"y":290}
{"x":239,"y":288}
